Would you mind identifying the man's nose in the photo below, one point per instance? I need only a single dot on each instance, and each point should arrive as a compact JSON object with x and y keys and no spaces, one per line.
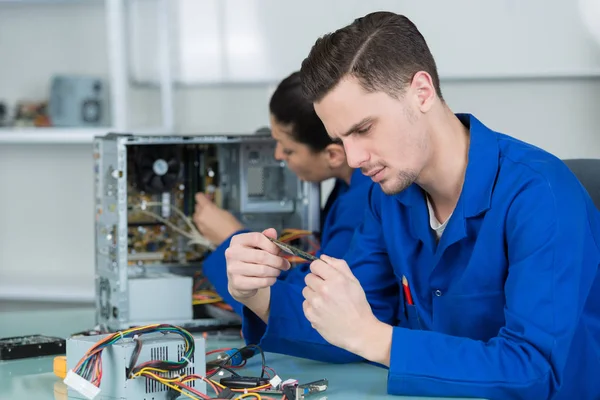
{"x":355,"y":154}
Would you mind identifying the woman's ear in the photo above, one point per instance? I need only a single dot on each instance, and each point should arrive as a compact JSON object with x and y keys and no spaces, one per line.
{"x":336,"y":155}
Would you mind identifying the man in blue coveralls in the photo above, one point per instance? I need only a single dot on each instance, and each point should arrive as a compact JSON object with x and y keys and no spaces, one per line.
{"x":475,"y":270}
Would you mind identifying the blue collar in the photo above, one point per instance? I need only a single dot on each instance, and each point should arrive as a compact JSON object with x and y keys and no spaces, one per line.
{"x":358,"y":179}
{"x":480,"y":177}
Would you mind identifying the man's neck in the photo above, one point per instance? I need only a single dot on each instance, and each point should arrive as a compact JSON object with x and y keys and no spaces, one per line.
{"x":444,"y":176}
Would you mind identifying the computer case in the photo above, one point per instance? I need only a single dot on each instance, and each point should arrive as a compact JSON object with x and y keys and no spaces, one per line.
{"x":145,"y":265}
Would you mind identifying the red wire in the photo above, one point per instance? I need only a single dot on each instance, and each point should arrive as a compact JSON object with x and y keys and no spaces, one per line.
{"x":186,"y":387}
{"x":218,"y":351}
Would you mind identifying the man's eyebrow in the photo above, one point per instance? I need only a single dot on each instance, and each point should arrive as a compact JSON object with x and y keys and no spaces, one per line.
{"x":356,"y":126}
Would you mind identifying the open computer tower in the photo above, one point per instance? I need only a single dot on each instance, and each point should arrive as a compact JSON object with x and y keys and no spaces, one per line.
{"x":147,"y":264}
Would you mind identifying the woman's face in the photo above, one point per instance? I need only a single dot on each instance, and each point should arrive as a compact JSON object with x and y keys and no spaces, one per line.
{"x":308,"y":165}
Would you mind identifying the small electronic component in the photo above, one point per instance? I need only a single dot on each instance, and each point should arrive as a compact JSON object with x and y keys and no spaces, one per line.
{"x":13,"y":348}
{"x":59,"y":366}
{"x":243,"y":382}
{"x":294,"y":391}
{"x":236,"y":357}
{"x":299,"y":392}
{"x":293,"y":250}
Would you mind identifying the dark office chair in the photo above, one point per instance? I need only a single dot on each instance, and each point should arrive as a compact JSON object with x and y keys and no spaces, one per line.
{"x":588,"y":173}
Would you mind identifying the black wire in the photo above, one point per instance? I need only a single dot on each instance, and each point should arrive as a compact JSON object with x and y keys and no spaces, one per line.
{"x":134,"y":356}
{"x":222,"y":365}
{"x":264,"y":362}
{"x":231,"y":371}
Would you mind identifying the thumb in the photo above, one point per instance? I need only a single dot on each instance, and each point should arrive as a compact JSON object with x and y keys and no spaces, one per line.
{"x":201,"y":198}
{"x":270,"y":232}
{"x":339,"y":264}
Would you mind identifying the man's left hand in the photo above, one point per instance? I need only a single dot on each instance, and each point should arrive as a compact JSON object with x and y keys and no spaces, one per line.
{"x":336,"y":305}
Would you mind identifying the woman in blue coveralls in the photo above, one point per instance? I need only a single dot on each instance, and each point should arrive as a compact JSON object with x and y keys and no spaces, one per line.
{"x":303,"y":143}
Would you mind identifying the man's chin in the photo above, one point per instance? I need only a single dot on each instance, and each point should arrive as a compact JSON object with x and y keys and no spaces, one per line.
{"x":390,"y":189}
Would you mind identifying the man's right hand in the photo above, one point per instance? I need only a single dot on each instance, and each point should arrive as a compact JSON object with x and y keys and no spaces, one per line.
{"x":253,"y":263}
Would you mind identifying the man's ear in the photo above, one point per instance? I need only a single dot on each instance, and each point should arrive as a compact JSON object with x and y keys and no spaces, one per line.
{"x":336,"y":155}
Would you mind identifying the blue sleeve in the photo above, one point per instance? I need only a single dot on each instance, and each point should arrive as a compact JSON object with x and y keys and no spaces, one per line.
{"x":288,"y":330}
{"x":214,"y":268}
{"x":552,"y":261}
{"x":337,"y":236}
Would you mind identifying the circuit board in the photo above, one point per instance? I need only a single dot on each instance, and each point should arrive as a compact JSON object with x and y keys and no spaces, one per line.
{"x":293,"y":250}
{"x":159,"y":182}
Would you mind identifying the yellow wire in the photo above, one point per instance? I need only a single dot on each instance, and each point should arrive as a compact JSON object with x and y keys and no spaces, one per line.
{"x":164,"y":382}
{"x":254,"y":388}
{"x":208,"y":301}
{"x":149,"y":370}
{"x":213,"y":297}
{"x":241,"y":390}
{"x":217,"y":383}
{"x":256,"y":396}
{"x":296,"y":231}
{"x":206,"y":293}
{"x":211,"y":383}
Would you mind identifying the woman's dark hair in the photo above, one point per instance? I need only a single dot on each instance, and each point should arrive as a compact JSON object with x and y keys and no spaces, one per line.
{"x":289,"y":106}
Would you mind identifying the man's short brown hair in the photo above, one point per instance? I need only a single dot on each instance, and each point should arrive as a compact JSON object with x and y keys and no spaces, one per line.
{"x":382,"y":50}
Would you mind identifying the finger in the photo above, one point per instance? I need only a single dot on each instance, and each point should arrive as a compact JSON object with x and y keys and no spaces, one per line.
{"x":337,"y":264}
{"x":259,"y":257}
{"x":323,"y":270}
{"x":256,"y":240}
{"x":251,"y":283}
{"x":313,"y":282}
{"x":305,"y":292}
{"x":252,"y":270}
{"x":308,"y":311}
{"x":201,"y":199}
{"x":313,"y":299}
{"x":305,"y":306}
{"x":270,"y":232}
{"x":196,"y":217}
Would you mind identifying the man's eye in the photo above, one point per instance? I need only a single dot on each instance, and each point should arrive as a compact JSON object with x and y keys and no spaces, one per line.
{"x":287,"y":152}
{"x":362,"y":131}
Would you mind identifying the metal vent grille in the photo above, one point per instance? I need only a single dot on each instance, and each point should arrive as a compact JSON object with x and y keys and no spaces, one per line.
{"x":189,"y":370}
{"x":157,"y":353}
{"x":162,"y":353}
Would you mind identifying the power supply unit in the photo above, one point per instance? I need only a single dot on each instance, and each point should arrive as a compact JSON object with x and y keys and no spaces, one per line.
{"x":116,"y":383}
{"x":147,"y":259}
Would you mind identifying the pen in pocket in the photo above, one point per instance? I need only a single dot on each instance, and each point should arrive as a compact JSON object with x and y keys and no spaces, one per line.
{"x":407,"y":294}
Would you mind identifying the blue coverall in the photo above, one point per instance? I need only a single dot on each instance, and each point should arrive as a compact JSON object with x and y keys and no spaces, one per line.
{"x":506,"y":305}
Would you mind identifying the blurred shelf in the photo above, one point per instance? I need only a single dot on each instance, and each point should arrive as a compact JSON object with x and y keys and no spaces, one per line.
{"x":69,"y":135}
{"x":53,"y":292}
{"x":49,"y":2}
{"x":50,"y":135}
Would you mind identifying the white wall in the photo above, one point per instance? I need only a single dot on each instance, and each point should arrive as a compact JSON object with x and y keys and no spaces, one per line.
{"x":46,"y":208}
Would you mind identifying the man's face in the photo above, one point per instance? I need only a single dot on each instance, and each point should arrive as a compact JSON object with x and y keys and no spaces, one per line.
{"x":385,"y":137}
